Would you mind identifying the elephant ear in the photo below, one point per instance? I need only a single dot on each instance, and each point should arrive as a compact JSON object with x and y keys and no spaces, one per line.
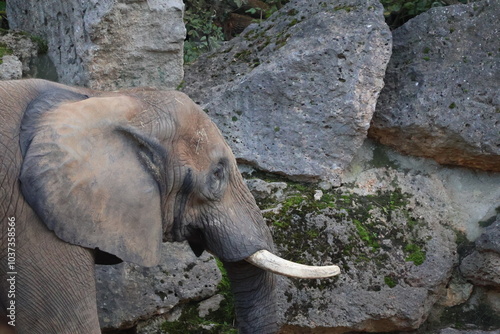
{"x":91,"y":179}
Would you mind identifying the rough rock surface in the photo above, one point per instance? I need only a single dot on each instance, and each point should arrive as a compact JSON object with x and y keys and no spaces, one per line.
{"x":441,"y":97}
{"x":10,"y":68}
{"x":127,"y":293}
{"x":482,"y":267}
{"x":317,"y":64}
{"x":108,"y":44}
{"x":394,"y":263}
{"x":22,"y":46}
{"x":392,"y":230}
{"x":490,"y":239}
{"x":468,"y":331}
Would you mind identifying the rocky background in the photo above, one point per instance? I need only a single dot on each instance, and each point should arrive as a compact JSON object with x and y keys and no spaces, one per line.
{"x":370,"y":148}
{"x":108,"y":44}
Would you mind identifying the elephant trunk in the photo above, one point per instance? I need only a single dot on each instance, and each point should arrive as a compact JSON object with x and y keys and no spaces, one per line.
{"x":255,"y":297}
{"x":253,"y":285}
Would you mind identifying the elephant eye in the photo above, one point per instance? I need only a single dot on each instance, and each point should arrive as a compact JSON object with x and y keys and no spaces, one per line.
{"x":216,"y":181}
{"x":218,"y":172}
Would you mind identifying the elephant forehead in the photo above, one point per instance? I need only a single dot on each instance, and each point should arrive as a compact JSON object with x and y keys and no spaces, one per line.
{"x":202,"y":145}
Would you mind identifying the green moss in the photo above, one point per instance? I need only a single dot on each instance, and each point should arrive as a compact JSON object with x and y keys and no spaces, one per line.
{"x":452,"y":105}
{"x":293,"y":22}
{"x":43,"y":47}
{"x":264,"y":43}
{"x":464,"y":245}
{"x":181,"y":85}
{"x":366,"y":235}
{"x":299,"y":238}
{"x":487,"y":222}
{"x":4,"y":50}
{"x":243,"y":55}
{"x":415,"y":254}
{"x":346,"y":8}
{"x":390,"y":281}
{"x":281,"y":40}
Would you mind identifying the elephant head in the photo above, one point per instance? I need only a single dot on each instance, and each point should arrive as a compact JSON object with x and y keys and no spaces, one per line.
{"x":122,"y":172}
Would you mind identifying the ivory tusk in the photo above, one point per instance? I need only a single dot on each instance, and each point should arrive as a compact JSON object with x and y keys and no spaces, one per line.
{"x":270,"y":262}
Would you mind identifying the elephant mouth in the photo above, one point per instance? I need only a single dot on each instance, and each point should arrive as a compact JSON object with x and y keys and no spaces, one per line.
{"x":273,"y":263}
{"x":197,"y":242}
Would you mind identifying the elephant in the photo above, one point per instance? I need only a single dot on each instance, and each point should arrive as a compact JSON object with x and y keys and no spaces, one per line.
{"x":102,"y":177}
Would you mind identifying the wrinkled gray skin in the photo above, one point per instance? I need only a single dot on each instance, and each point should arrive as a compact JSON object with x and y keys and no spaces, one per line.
{"x":87,"y":174}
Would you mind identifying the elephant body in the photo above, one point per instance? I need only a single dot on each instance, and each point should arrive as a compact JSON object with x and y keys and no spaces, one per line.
{"x":86,"y":173}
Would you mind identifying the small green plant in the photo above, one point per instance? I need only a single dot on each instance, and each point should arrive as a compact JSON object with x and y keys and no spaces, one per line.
{"x":397,"y":12}
{"x":390,"y":281}
{"x":416,"y":255}
{"x":4,"y":50}
{"x":203,"y":35}
{"x":43,"y":47}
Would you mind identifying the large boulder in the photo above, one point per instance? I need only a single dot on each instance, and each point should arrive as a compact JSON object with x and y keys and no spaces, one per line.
{"x":127,"y":293}
{"x":295,"y":94}
{"x":441,"y":97}
{"x":108,"y":44}
{"x":482,"y":266}
{"x":392,"y":229}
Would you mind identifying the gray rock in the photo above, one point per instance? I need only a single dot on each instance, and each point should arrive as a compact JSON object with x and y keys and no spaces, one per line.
{"x":209,"y":305}
{"x":458,"y":292}
{"x":108,"y":44}
{"x":22,"y":47}
{"x":458,"y":196}
{"x":379,"y":288}
{"x":151,"y":326}
{"x":295,"y":93}
{"x":10,"y":68}
{"x":127,"y":293}
{"x":261,"y":189}
{"x":490,"y":239}
{"x":441,"y":97}
{"x":467,"y":331}
{"x":388,"y":203}
{"x":482,"y":266}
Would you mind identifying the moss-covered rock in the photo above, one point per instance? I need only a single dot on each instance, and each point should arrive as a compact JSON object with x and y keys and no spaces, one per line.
{"x":390,"y":257}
